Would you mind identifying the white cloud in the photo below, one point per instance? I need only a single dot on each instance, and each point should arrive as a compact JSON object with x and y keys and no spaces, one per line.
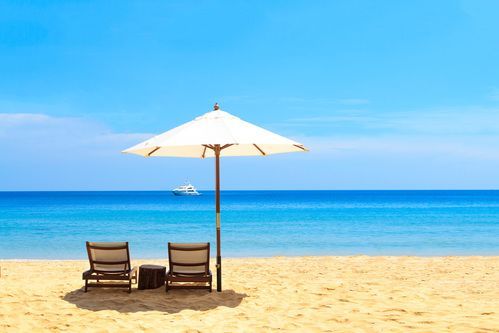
{"x":469,"y":134}
{"x":43,"y":152}
{"x":47,"y":152}
{"x":42,"y":129}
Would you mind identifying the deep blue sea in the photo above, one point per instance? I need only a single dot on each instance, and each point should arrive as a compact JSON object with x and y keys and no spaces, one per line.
{"x":55,"y":225}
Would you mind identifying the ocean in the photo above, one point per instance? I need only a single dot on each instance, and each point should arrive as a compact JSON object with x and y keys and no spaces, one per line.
{"x":55,"y":225}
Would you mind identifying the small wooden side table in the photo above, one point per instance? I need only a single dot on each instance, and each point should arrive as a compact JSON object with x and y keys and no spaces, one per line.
{"x":151,"y":276}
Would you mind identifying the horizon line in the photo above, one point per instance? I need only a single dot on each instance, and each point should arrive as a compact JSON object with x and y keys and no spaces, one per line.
{"x":255,"y":190}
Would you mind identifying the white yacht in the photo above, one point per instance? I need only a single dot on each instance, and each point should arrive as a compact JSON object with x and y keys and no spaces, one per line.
{"x":186,"y":189}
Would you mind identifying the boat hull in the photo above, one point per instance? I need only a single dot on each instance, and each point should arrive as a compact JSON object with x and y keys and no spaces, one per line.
{"x":185,"y":194}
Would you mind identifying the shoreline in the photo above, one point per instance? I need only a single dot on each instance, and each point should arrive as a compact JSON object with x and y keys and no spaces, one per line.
{"x":213,"y":259}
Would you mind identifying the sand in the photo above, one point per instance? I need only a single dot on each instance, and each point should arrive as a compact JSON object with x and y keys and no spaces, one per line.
{"x":295,"y":294}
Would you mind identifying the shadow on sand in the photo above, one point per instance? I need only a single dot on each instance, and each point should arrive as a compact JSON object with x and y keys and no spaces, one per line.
{"x":152,"y":300}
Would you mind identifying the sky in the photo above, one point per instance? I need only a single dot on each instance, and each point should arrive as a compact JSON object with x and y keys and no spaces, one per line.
{"x":385,"y":94}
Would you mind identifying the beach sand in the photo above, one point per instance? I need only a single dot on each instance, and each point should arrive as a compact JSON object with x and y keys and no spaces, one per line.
{"x":296,"y":294}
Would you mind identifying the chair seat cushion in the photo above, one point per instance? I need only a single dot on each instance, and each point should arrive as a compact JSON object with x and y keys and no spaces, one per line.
{"x":92,"y":275}
{"x":188,"y":269}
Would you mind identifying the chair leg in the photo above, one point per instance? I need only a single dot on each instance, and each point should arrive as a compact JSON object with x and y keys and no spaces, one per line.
{"x":166,"y":286}
{"x":130,"y":286}
{"x":86,"y":285}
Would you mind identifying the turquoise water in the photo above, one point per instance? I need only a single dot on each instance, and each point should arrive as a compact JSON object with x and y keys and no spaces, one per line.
{"x":44,"y":225}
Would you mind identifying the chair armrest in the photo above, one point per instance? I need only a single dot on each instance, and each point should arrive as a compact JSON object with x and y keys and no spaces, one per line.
{"x":133,"y":274}
{"x":87,"y":273}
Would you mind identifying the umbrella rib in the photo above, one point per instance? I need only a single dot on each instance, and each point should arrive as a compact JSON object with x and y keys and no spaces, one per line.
{"x":204,"y":152}
{"x":152,"y":151}
{"x":261,"y":151}
{"x":209,"y":146}
{"x":302,"y":148}
{"x":226,"y":146}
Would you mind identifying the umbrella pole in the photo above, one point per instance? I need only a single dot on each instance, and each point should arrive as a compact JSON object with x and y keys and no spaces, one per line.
{"x":217,"y":205}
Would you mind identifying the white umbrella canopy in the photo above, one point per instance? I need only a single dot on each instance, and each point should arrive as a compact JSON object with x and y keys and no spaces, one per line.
{"x":215,"y":134}
{"x":193,"y":139}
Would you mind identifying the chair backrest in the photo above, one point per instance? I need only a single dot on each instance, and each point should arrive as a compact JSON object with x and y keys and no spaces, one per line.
{"x":109,"y":257}
{"x":189,"y":258}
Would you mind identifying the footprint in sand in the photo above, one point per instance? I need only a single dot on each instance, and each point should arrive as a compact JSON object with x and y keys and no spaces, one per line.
{"x":398,"y":310}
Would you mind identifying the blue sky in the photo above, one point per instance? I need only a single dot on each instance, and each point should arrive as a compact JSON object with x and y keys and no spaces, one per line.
{"x":386,"y":94}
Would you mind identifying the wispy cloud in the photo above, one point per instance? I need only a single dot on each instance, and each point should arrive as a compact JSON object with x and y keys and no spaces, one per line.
{"x":494,"y":94}
{"x":353,"y":101}
{"x":483,"y":148}
{"x":474,"y":120}
{"x":299,"y":100}
{"x":48,"y":152}
{"x":42,"y":130}
{"x":335,"y":116}
{"x":12,"y":119}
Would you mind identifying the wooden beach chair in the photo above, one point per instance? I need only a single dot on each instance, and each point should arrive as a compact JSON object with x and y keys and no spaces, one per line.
{"x":189,"y":266}
{"x":109,"y":261}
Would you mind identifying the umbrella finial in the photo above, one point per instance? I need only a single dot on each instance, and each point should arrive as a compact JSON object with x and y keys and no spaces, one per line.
{"x":216,"y":107}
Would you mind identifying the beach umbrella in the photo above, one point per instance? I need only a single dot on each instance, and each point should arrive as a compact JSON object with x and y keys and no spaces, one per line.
{"x":216,"y":134}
